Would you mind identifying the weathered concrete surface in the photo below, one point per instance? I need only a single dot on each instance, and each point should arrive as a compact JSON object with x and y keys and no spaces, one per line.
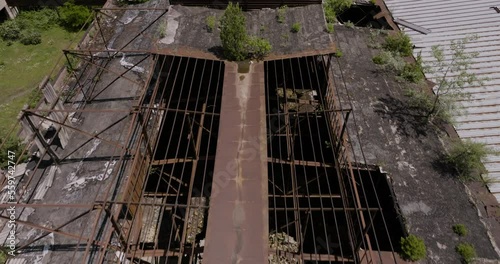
{"x":237,"y":229}
{"x":188,"y":26}
{"x":431,"y":200}
{"x":85,"y":175}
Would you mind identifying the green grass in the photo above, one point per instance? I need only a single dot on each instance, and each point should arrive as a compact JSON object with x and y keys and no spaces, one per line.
{"x":23,"y":68}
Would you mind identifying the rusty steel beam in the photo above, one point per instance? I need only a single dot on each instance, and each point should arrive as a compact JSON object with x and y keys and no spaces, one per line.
{"x":119,"y":76}
{"x":116,"y":144}
{"x":103,"y":68}
{"x":31,"y":241}
{"x":51,"y":230}
{"x":300,"y":162}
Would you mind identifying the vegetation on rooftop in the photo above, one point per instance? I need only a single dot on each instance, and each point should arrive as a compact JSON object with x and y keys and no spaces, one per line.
{"x":465,"y":157}
{"x":237,"y":45}
{"x":466,"y":251}
{"x":413,"y":248}
{"x":296,"y":27}
{"x":334,"y":7}
{"x":460,"y":229}
{"x":211,"y":22}
{"x":395,"y":48}
{"x":280,"y":17}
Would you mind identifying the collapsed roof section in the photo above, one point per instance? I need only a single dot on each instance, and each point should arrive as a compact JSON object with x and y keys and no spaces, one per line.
{"x":170,"y":124}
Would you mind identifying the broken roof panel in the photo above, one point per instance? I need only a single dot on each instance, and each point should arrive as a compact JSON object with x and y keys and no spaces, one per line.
{"x":456,"y":21}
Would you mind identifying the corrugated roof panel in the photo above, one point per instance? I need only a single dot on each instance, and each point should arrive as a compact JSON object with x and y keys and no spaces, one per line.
{"x":456,"y":20}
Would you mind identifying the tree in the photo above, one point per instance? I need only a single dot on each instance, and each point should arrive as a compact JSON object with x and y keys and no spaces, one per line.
{"x":451,"y":73}
{"x":233,"y":33}
{"x":72,"y":16}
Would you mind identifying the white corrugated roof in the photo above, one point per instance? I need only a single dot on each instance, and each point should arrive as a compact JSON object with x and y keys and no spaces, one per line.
{"x":454,"y":20}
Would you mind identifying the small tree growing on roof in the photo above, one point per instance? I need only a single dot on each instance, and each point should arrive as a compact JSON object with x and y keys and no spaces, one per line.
{"x":233,"y":33}
{"x":450,"y":70}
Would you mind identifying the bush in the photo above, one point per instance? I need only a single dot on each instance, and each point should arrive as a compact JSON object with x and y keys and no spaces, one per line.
{"x":460,"y":229}
{"x":349,"y":24}
{"x":258,"y":47}
{"x":338,"y":53}
{"x":31,"y":37}
{"x":413,"y":248}
{"x":72,"y":16}
{"x":34,"y":97}
{"x":399,"y":43}
{"x":296,"y":27}
{"x":211,"y":22}
{"x":390,"y":61}
{"x":466,"y":251}
{"x":281,"y":14}
{"x":379,"y":59}
{"x":334,"y":7}
{"x":329,"y":28}
{"x":465,"y":157}
{"x":233,"y":33}
{"x":72,"y":63}
{"x":10,"y":30}
{"x":412,"y":72}
{"x":39,"y":20}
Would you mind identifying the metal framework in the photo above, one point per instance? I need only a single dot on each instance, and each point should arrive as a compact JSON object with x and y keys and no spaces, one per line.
{"x":154,"y":205}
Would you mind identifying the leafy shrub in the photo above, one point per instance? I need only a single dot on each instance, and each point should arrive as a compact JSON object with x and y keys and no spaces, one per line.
{"x":465,"y":156}
{"x":390,"y":61}
{"x":258,"y":47}
{"x":162,"y":29}
{"x":72,"y":16}
{"x":412,"y":72}
{"x":329,"y":28}
{"x":460,"y":229}
{"x":30,"y":37}
{"x":10,"y":30}
{"x":334,"y":7}
{"x":338,"y":53}
{"x":349,"y":24}
{"x":399,"y":43}
{"x":296,"y":27}
{"x":42,"y":19}
{"x":211,"y":22}
{"x":466,"y":251}
{"x":233,"y":33}
{"x":281,"y":14}
{"x":34,"y":97}
{"x":413,"y":248}
{"x":379,"y":59}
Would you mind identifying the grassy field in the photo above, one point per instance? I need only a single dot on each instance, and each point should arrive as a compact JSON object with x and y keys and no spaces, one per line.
{"x":23,"y":67}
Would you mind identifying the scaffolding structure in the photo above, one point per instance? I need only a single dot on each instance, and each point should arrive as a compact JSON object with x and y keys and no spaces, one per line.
{"x":153,"y":198}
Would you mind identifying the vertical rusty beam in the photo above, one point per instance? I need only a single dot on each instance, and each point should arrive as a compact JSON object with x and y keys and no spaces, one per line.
{"x":193,"y":175}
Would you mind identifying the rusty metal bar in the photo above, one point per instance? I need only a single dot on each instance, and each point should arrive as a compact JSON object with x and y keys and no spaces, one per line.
{"x":101,"y":67}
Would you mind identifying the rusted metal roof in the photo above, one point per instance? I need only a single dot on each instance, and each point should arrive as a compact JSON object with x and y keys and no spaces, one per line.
{"x":455,"y":20}
{"x":237,"y":230}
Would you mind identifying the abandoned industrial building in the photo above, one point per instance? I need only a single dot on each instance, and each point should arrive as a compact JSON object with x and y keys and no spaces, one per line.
{"x":155,"y":149}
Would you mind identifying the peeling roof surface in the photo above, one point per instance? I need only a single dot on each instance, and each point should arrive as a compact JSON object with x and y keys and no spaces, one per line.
{"x":455,"y":20}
